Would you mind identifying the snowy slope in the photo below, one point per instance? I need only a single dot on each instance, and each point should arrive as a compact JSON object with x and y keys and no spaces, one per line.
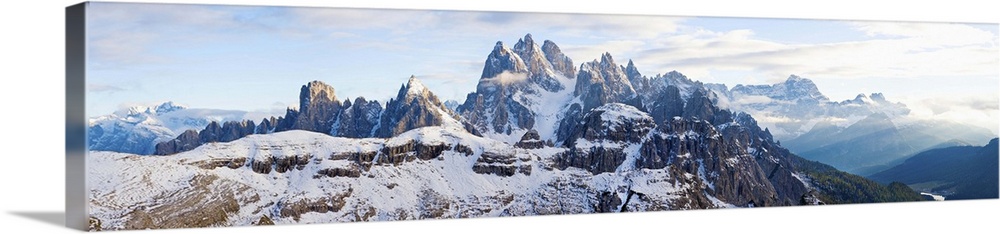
{"x":127,"y":189}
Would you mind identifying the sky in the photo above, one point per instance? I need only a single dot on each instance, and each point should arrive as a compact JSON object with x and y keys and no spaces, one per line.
{"x":256,"y":58}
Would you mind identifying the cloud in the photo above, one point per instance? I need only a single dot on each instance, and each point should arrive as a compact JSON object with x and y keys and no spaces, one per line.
{"x":981,"y":110}
{"x":121,"y":34}
{"x":929,"y":35}
{"x":101,"y":88}
{"x":504,"y":78}
{"x":457,"y":23}
{"x":587,"y":52}
{"x":894,"y":50}
{"x":753,"y":99}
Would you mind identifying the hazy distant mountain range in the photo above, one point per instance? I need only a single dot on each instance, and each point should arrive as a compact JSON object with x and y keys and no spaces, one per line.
{"x":138,"y":129}
{"x":956,"y":172}
{"x":863,"y":135}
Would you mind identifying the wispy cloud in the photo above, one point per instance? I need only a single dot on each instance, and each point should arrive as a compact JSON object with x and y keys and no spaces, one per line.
{"x":128,"y":34}
{"x":893,"y":50}
{"x":457,"y":23}
{"x":981,"y":110}
{"x":100,"y":88}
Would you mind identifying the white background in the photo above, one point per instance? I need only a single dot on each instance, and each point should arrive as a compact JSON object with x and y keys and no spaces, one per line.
{"x":32,"y":89}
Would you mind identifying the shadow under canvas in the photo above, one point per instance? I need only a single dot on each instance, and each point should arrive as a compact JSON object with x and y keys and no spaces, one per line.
{"x":57,"y":218}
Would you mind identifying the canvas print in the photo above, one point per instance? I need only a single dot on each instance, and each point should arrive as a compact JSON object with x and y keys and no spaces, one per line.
{"x":226,"y":115}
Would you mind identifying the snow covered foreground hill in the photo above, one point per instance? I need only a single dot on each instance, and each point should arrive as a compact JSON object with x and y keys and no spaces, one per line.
{"x":306,"y":177}
{"x":442,"y":172}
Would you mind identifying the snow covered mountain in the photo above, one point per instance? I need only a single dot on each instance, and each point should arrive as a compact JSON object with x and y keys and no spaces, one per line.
{"x":791,"y":108}
{"x":138,"y":129}
{"x":531,"y":140}
{"x":523,"y":88}
{"x":863,"y":135}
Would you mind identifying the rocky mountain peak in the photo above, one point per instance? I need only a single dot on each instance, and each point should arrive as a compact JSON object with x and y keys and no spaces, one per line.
{"x":316,"y":90}
{"x":794,"y":88}
{"x":639,"y":83}
{"x":414,"y":88}
{"x":794,"y":78}
{"x":514,"y":85}
{"x":675,"y":74}
{"x":525,"y":44}
{"x":801,"y":86}
{"x":140,"y":111}
{"x":168,"y":107}
{"x":631,"y":67}
{"x":318,"y":106}
{"x":601,"y":82}
{"x":560,"y":62}
{"x":540,"y":69}
{"x":415,"y":106}
{"x":878,"y":97}
{"x":499,"y":47}
{"x":502,"y":59}
{"x":606,"y":59}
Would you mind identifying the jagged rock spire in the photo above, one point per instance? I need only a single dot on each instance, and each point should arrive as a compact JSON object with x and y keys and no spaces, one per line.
{"x":318,"y":106}
{"x":415,"y":106}
{"x":502,"y":59}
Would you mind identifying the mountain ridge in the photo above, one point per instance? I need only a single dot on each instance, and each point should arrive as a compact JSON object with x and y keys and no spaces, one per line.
{"x":957,"y":172}
{"x":519,"y":145}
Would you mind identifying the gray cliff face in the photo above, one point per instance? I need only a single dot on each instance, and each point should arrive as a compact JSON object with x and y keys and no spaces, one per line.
{"x":358,"y":119}
{"x":667,"y":104}
{"x":560,"y":62}
{"x":184,"y":142}
{"x":734,"y":164}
